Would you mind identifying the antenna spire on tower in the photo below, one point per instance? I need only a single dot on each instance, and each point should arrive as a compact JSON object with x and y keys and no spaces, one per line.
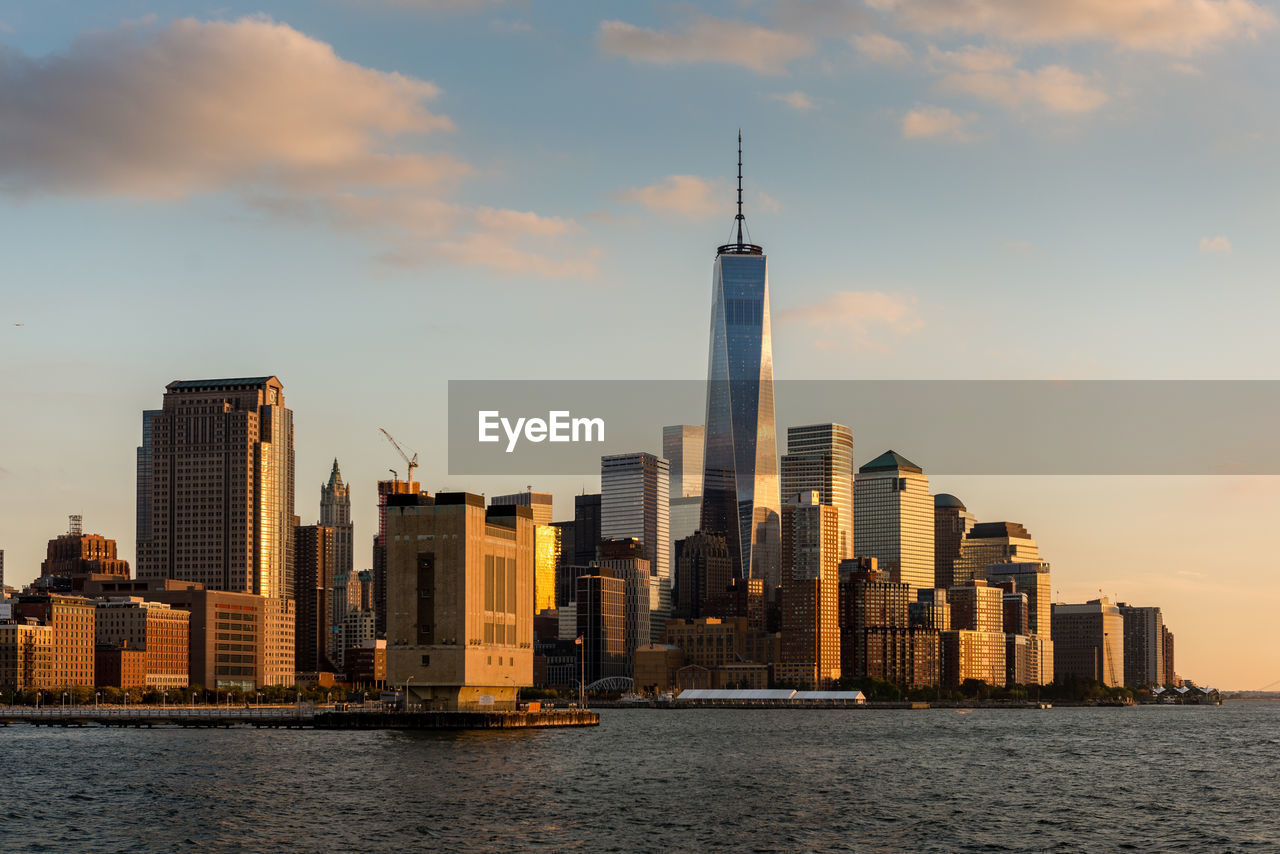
{"x":740,"y":216}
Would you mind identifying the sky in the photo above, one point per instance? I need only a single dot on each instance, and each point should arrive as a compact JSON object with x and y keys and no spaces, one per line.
{"x":368,"y":198}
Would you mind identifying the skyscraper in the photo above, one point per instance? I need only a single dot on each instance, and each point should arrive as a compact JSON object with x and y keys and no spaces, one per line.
{"x":682,"y":447}
{"x":951,"y":523}
{"x":820,"y":458}
{"x":1143,"y":645}
{"x":992,"y":542}
{"x":538,"y":502}
{"x":217,"y":465}
{"x":810,"y":592}
{"x":1088,"y":641}
{"x":315,"y":550}
{"x":386,"y":489}
{"x":586,"y":528}
{"x":335,"y":512}
{"x":740,"y":489}
{"x":634,"y":503}
{"x":893,"y":519}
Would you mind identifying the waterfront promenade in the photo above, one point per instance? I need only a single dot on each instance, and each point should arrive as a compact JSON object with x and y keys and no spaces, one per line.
{"x":293,"y":717}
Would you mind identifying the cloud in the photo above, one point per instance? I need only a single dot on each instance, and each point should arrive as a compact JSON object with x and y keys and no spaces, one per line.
{"x":797,"y":100}
{"x":1172,"y":26}
{"x":163,"y":113}
{"x":854,"y":319}
{"x":257,"y":109}
{"x":682,"y":195}
{"x":706,"y":39}
{"x":929,"y":121}
{"x":878,"y":47}
{"x":1053,"y":87}
{"x":766,"y":203}
{"x":1216,"y":244}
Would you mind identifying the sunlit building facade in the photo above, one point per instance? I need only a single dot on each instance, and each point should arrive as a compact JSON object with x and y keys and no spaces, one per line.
{"x":1088,"y":641}
{"x":820,"y":457}
{"x":635,"y":503}
{"x":893,"y":519}
{"x":951,"y":524}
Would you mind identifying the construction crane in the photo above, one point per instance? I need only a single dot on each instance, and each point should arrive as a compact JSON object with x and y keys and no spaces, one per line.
{"x":412,"y":462}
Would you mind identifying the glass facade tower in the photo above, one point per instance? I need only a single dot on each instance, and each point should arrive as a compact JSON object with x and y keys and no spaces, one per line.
{"x":740,"y":489}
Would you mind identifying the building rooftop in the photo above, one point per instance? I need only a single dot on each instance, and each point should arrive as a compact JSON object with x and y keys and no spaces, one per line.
{"x":997,"y":530}
{"x":946,"y":499}
{"x":891,"y":461}
{"x":234,"y":382}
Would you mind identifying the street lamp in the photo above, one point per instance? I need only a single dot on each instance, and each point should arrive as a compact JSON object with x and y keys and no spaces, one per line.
{"x":406,"y":693}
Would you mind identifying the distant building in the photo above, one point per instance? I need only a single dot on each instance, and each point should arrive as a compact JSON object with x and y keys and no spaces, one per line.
{"x":547,"y":547}
{"x":993,"y":542}
{"x":951,"y":524}
{"x":1170,"y":675}
{"x":217,"y":464}
{"x":682,"y":447}
{"x":586,"y":528}
{"x":1088,"y":641}
{"x":893,"y":519}
{"x":459,"y":601}
{"x":976,"y":607}
{"x":1143,"y":645}
{"x":315,"y":561}
{"x":635,"y":503}
{"x":625,"y":557}
{"x":120,"y":667}
{"x":820,"y":458}
{"x":704,"y":571}
{"x":72,"y":640}
{"x":162,"y":634}
{"x":810,"y":592}
{"x":26,"y":655}
{"x":1031,"y":579}
{"x":601,"y":624}
{"x":366,"y":664}
{"x":973,"y":655}
{"x":740,"y":489}
{"x":386,"y":489}
{"x":76,"y":555}
{"x":539,"y":502}
{"x":237,"y":640}
{"x":714,"y":644}
{"x":335,"y":513}
{"x":656,"y":665}
{"x":684,"y":517}
{"x":877,"y":638}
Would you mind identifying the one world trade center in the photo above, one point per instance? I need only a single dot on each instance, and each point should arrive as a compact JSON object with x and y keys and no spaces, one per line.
{"x":740,"y":498}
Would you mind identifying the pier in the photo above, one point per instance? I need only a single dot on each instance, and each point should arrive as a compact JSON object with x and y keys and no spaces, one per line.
{"x":292,"y":717}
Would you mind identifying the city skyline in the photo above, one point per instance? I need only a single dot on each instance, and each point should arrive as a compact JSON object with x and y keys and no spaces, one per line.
{"x":896,"y":315}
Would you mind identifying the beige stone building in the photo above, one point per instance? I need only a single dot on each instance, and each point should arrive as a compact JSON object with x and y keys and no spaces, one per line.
{"x":156,"y":628}
{"x":460,"y":586}
{"x":26,"y":655}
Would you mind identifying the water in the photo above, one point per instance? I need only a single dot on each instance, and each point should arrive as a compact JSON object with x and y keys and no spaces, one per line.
{"x":1148,"y":778}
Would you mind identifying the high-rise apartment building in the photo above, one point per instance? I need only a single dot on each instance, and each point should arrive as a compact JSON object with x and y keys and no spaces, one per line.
{"x":1143,"y":645}
{"x":977,"y":607}
{"x":1088,"y":641}
{"x":893,"y":519}
{"x":951,"y":524}
{"x":1031,"y":579}
{"x":635,"y":503}
{"x":820,"y":458}
{"x":1170,"y":676}
{"x":459,"y":600}
{"x":740,"y":488}
{"x":539,"y":502}
{"x":335,"y":513}
{"x":703,"y":573}
{"x":992,"y":542}
{"x":386,"y":489}
{"x":810,"y":592}
{"x":315,"y":550}
{"x":682,"y":446}
{"x":217,"y":464}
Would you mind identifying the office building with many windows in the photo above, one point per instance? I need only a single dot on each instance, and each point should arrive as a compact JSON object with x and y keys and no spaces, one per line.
{"x":893,"y":519}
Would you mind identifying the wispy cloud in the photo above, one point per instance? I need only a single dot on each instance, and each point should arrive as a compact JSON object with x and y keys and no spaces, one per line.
{"x":252,"y":107}
{"x":1219,"y":244}
{"x":1054,"y":88}
{"x":797,"y":100}
{"x":930,"y":121}
{"x":878,"y":47}
{"x":854,"y":319}
{"x":686,"y":196}
{"x":1171,"y":26}
{"x":707,"y":40}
